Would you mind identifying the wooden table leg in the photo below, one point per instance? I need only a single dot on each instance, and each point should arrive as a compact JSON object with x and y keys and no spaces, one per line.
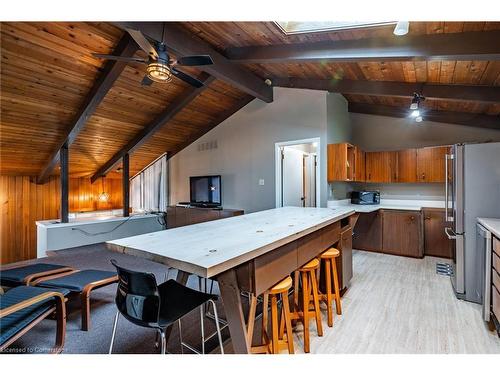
{"x":182,"y":278}
{"x":230,"y":293}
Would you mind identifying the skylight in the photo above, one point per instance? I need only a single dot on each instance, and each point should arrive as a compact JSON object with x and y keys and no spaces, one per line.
{"x":298,"y":27}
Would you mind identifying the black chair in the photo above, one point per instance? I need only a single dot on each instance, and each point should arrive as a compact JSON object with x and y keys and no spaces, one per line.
{"x":145,"y":303}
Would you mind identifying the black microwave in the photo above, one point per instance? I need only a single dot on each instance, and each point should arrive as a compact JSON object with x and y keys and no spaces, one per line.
{"x":365,"y":197}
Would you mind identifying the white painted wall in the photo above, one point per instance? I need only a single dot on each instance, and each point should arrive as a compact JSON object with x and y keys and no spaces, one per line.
{"x":245,"y":151}
{"x":376,"y":133}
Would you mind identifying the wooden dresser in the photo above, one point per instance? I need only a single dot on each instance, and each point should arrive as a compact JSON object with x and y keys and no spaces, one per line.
{"x":181,"y":216}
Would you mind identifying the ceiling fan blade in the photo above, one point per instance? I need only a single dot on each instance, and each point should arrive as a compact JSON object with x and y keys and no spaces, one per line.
{"x":142,"y":42}
{"x":187,"y":78}
{"x":120,"y":58}
{"x":146,"y":81}
{"x":195,"y":60}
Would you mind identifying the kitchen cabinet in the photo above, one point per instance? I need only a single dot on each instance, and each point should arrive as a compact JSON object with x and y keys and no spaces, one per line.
{"x":381,"y":166}
{"x":431,"y":164}
{"x":368,"y":232}
{"x":407,"y":165}
{"x":436,"y":243}
{"x":359,"y":165}
{"x":402,"y":233}
{"x":345,"y":162}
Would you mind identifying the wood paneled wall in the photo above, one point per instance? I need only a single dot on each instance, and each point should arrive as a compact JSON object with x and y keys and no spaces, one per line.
{"x":23,"y":202}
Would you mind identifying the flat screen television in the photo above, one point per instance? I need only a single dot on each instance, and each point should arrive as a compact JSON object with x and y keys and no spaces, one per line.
{"x":205,"y":191}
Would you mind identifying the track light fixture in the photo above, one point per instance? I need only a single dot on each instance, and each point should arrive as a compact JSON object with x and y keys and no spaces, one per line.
{"x":415,"y":107}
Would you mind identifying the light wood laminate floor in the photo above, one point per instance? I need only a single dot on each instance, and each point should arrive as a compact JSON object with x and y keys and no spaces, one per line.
{"x":400,"y":305}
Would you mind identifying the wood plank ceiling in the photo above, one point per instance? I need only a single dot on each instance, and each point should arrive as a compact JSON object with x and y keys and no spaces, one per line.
{"x":47,"y":70}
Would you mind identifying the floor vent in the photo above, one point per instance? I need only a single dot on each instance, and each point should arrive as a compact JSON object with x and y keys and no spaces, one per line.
{"x":444,"y":269}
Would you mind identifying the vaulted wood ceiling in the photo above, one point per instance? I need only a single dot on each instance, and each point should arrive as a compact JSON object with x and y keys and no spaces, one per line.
{"x":47,"y":71}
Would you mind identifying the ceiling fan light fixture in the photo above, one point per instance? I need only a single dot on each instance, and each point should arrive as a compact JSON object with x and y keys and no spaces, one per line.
{"x":418,"y":119}
{"x":159,"y":72}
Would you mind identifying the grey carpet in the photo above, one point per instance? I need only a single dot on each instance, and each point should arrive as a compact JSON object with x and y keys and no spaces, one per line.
{"x":129,"y":338}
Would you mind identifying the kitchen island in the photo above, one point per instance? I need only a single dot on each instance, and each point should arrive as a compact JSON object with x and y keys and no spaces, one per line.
{"x":247,"y":253}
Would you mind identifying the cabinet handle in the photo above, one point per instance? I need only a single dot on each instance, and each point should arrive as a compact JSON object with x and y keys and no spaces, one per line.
{"x":423,"y":176}
{"x":412,"y":218}
{"x":427,"y":218}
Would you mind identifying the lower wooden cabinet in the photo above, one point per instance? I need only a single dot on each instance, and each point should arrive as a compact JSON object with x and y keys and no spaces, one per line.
{"x":402,"y":233}
{"x":436,"y":243}
{"x":368,"y":232}
{"x":396,"y":232}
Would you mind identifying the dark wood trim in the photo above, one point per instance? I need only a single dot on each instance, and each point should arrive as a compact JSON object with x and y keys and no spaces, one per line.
{"x":175,"y":107}
{"x":396,"y":89}
{"x":64,"y":156}
{"x":183,"y":43}
{"x":477,"y":120}
{"x":112,"y":69}
{"x":220,"y":118}
{"x":126,"y":185}
{"x":453,"y":46}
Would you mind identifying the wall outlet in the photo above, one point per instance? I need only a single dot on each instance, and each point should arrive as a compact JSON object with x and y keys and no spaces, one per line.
{"x":261,"y":182}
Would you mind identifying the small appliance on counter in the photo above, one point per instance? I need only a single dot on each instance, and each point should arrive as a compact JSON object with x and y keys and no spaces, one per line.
{"x":365,"y":197}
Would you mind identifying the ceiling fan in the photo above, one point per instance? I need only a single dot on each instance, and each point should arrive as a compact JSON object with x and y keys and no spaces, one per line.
{"x":160,"y":66}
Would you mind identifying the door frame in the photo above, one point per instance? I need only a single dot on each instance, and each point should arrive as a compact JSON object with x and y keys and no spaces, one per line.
{"x":278,"y":169}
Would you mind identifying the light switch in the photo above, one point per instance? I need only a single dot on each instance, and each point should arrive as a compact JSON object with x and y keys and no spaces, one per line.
{"x":261,"y":182}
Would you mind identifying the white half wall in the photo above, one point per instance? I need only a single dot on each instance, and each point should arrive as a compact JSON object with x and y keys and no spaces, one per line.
{"x":245,"y":149}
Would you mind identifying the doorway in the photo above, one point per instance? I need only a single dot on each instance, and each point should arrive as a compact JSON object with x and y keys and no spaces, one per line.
{"x":297,"y":173}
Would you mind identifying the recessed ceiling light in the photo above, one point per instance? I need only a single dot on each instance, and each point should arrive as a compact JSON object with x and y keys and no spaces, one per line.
{"x":401,"y":28}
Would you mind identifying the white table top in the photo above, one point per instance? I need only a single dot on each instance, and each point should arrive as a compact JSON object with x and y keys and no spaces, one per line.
{"x":209,"y":248}
{"x":493,"y":225}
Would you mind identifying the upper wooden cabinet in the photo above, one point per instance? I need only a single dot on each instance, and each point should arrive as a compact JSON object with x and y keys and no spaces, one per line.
{"x":360,"y":165}
{"x":430,"y":164}
{"x":381,"y":166}
{"x":407,"y":165}
{"x":345,"y":162}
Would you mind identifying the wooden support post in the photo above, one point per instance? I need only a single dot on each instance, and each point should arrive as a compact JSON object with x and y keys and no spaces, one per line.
{"x":64,"y":184}
{"x":126,"y":185}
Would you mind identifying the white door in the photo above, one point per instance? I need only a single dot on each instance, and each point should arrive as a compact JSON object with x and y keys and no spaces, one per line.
{"x":293,"y":177}
{"x":310,"y":180}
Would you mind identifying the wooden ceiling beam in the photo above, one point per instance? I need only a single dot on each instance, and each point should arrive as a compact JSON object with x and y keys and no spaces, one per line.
{"x":175,"y":107}
{"x":477,"y":120}
{"x":397,"y":89}
{"x":112,"y":69}
{"x":450,"y":46}
{"x":182,"y":43}
{"x":220,"y":118}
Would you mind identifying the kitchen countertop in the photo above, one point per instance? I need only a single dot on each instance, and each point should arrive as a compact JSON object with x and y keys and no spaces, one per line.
{"x":493,"y":225}
{"x":388,"y":204}
{"x":209,"y":248}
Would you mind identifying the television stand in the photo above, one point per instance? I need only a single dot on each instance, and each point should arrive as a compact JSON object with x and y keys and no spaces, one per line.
{"x":199,"y":205}
{"x":180,"y":215}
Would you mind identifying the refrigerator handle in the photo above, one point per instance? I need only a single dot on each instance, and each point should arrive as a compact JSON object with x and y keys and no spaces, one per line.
{"x":450,"y":236}
{"x":446,"y":188}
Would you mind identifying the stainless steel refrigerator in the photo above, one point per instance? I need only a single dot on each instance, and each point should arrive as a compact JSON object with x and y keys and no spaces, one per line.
{"x":472,"y":190}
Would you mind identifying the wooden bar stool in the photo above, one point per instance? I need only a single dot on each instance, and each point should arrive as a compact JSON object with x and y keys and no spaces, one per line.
{"x":328,"y":259}
{"x":273,"y":343}
{"x":307,"y":275}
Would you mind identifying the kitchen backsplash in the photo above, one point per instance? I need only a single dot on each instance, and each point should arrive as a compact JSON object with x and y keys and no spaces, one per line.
{"x":341,"y":190}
